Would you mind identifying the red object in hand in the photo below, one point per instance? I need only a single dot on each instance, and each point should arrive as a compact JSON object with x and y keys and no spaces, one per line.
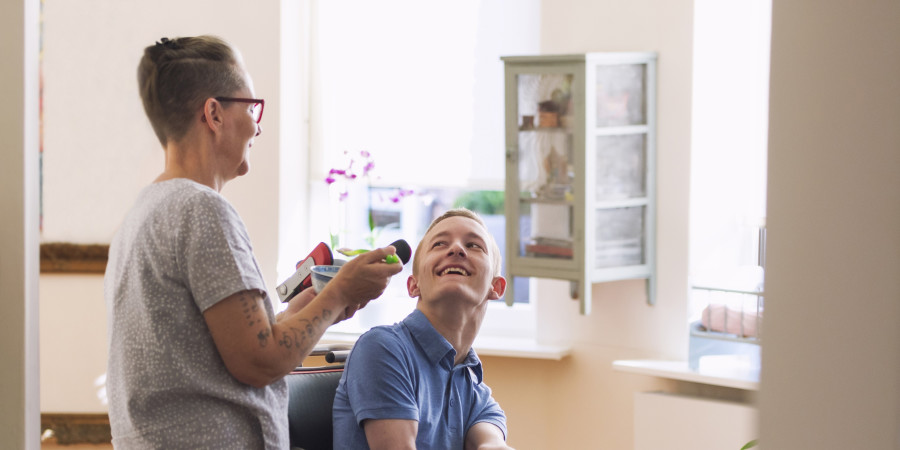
{"x":301,"y":279}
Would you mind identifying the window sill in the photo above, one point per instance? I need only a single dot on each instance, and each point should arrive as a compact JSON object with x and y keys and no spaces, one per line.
{"x":484,"y":346}
{"x":733,"y":377}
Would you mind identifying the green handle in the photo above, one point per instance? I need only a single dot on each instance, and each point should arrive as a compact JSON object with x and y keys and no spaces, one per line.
{"x":390,"y":259}
{"x":349,"y":252}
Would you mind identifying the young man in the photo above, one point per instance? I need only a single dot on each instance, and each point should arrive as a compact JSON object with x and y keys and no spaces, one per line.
{"x":418,"y":384}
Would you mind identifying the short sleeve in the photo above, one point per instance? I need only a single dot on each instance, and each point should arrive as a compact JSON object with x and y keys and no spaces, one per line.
{"x":380,"y":378}
{"x":486,"y":409}
{"x":217,"y":256}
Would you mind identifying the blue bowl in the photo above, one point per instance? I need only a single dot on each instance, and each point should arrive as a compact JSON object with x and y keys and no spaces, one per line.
{"x":321,"y":275}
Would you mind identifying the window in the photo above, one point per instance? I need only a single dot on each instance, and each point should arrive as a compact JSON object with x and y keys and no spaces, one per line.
{"x":728,"y":173}
{"x":418,"y":86}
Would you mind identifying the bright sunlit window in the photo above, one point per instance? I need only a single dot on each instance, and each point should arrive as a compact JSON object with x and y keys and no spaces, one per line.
{"x":728,"y":169}
{"x":730,"y":126}
{"x":415,"y":90}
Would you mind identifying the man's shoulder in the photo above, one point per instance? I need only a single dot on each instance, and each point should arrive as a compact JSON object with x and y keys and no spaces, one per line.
{"x":383,"y":336}
{"x":390,"y":344}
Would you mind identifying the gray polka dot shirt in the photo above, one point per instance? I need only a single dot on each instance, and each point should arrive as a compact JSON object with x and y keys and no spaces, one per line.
{"x":179,"y":251}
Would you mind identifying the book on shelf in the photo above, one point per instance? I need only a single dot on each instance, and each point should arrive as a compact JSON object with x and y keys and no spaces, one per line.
{"x":548,"y":250}
{"x":542,"y":246}
{"x":555,"y":242}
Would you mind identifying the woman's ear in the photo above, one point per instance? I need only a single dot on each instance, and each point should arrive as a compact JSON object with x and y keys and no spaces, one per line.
{"x":212,"y":114}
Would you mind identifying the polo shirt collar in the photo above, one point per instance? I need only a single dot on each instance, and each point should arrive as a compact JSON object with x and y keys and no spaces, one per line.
{"x":435,"y":346}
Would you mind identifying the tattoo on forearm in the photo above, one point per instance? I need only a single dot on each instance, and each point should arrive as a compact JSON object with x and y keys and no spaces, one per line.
{"x":249,"y":306}
{"x":297,"y":336}
{"x":264,"y":337}
{"x":293,"y":337}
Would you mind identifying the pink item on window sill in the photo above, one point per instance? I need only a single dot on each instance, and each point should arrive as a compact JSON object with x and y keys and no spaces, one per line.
{"x":717,"y":317}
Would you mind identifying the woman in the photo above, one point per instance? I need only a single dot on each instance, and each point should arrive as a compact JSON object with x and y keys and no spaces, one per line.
{"x":196,"y":353}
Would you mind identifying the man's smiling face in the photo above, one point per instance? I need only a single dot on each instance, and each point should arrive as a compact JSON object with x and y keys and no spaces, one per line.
{"x":456,"y":263}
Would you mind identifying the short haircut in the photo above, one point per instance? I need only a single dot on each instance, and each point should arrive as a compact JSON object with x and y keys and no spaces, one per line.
{"x":463,"y":212}
{"x":176,"y":76}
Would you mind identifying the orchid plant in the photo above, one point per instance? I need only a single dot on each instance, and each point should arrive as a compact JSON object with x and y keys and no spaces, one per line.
{"x":359,"y":166}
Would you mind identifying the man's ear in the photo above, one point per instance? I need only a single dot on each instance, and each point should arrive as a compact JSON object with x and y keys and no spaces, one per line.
{"x":498,"y":288}
{"x":412,"y":286}
{"x":212,"y":114}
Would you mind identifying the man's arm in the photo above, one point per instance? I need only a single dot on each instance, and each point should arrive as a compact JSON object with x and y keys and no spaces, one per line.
{"x":257,"y":352}
{"x":485,"y":436}
{"x":390,"y":434}
{"x":376,"y":401}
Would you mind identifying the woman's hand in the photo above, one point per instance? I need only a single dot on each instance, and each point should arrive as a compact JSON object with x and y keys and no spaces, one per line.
{"x":363,"y":279}
{"x":298,"y":302}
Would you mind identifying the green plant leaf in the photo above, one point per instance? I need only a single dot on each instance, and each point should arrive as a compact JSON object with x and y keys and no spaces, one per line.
{"x":482,"y":202}
{"x":334,"y":240}
{"x":750,"y":444}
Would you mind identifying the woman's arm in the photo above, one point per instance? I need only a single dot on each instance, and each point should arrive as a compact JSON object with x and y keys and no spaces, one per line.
{"x":257,"y":352}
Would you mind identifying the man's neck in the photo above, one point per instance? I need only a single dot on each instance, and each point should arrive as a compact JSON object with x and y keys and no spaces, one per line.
{"x":458,"y":324}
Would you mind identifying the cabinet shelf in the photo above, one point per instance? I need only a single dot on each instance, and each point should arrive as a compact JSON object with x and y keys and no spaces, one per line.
{"x":545,"y":130}
{"x":610,"y":131}
{"x":580,"y":169}
{"x":546,"y":201}
{"x":621,"y":203}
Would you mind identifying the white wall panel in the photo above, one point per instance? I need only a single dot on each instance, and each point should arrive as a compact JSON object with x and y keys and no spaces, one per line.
{"x":676,"y":422}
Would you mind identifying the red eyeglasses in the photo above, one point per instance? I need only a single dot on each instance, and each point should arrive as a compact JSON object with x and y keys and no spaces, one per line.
{"x":257,"y":108}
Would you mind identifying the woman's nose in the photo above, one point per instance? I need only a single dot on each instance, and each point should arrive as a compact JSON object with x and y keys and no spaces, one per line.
{"x":258,"y":130}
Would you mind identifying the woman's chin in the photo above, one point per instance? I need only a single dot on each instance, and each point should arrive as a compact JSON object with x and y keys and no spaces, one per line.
{"x":243,"y":169}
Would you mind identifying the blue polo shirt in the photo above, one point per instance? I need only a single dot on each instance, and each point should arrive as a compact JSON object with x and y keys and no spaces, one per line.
{"x":406,"y":371}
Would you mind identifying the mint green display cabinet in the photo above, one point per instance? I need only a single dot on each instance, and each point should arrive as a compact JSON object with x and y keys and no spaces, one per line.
{"x":580,"y":169}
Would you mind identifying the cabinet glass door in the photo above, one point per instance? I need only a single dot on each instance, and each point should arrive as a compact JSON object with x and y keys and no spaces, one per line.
{"x":545,"y":165}
{"x":621,"y":93}
{"x":620,"y":178}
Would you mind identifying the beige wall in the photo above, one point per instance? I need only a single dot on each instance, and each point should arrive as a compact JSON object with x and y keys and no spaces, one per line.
{"x":831,"y":359}
{"x":73,"y":343}
{"x":99,"y":151}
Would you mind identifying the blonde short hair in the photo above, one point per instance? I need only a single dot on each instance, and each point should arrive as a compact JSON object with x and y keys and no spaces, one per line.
{"x":493,"y":248}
